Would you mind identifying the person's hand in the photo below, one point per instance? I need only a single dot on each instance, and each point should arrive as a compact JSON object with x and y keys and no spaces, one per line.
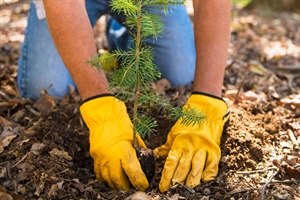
{"x":193,"y":151}
{"x":111,"y":143}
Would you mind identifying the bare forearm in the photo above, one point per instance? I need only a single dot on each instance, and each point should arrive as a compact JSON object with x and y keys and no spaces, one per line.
{"x":212,"y":32}
{"x":72,"y":34}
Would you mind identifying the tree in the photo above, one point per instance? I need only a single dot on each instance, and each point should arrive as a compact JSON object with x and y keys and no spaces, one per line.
{"x":133,"y":78}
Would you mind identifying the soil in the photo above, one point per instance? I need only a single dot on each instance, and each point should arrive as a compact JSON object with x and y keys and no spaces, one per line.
{"x":44,"y":146}
{"x":147,"y":160}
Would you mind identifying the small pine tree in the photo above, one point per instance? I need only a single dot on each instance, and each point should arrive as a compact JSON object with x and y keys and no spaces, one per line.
{"x":137,"y":71}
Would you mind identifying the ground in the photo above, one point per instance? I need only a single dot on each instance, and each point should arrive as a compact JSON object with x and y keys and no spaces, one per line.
{"x":44,"y":145}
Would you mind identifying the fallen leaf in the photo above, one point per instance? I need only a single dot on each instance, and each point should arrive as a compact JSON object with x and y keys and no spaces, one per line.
{"x":257,"y":67}
{"x":293,"y":100}
{"x":6,"y":141}
{"x":45,"y":104}
{"x":78,"y":185}
{"x":10,"y":128}
{"x":53,"y":189}
{"x":161,"y":86}
{"x":5,"y":196}
{"x":36,"y":147}
{"x":288,"y":172}
{"x":139,"y":196}
{"x":60,"y":184}
{"x":286,"y":145}
{"x":61,"y":154}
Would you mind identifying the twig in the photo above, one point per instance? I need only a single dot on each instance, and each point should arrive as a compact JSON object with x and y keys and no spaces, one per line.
{"x":186,"y":187}
{"x":62,"y":171}
{"x":238,"y":92}
{"x":239,"y":191}
{"x":255,"y":171}
{"x":7,"y":98}
{"x":267,"y":183}
{"x":31,"y":131}
{"x":17,"y":88}
{"x":292,"y":137}
{"x":21,"y":159}
{"x":36,"y":113}
{"x":285,"y":181}
{"x":6,"y":104}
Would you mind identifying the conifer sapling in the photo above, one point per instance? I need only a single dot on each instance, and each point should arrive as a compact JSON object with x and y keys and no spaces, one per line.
{"x":137,"y":71}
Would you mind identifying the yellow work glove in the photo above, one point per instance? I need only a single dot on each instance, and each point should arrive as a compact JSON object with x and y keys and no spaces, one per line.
{"x":193,"y":152}
{"x":111,"y":143}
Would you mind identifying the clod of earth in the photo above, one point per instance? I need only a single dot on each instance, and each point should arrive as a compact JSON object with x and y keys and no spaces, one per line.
{"x":147,"y":161}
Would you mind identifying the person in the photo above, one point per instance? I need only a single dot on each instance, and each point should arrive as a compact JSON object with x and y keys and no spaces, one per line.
{"x":58,"y":42}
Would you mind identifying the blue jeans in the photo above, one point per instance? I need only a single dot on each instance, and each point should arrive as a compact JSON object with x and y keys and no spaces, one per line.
{"x":40,"y":66}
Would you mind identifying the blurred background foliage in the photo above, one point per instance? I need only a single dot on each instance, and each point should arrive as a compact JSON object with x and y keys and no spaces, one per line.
{"x":268,"y":6}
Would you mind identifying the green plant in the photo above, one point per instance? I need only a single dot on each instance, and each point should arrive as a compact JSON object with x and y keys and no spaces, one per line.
{"x":241,"y":3}
{"x":137,"y":71}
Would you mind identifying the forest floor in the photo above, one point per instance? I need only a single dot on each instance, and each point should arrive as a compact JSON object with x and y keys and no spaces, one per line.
{"x":44,"y":147}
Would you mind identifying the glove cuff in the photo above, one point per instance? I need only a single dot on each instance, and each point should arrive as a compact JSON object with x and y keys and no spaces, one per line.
{"x":103,"y":108}
{"x":213,"y":106}
{"x":209,"y":95}
{"x":96,"y":96}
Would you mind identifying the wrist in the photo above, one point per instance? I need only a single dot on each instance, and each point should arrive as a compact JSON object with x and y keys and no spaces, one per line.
{"x":210,"y":88}
{"x":89,"y":95}
{"x":95,"y":85}
{"x":96,"y":96}
{"x":90,"y":81}
{"x":208,"y":95}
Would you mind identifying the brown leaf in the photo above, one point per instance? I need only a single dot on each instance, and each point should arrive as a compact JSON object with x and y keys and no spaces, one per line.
{"x":257,"y":67}
{"x":45,"y":104}
{"x":10,"y":128}
{"x":161,"y":86}
{"x":290,"y":172}
{"x":53,"y":189}
{"x":5,"y":196}
{"x":61,"y":154}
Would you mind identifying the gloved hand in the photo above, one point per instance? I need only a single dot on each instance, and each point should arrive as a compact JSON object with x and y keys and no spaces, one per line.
{"x":193,"y":152}
{"x":111,"y":143}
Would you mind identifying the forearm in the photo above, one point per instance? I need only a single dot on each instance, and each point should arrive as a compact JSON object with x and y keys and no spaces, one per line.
{"x":212,"y":32}
{"x":73,"y":36}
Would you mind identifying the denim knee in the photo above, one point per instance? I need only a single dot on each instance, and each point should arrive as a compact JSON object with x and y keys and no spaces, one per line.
{"x":40,"y":66}
{"x":174,"y":51}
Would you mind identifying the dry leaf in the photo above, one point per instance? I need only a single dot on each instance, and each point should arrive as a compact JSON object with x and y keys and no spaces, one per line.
{"x":78,"y":185}
{"x":161,"y":86}
{"x":293,"y":100}
{"x":139,"y":196}
{"x":10,"y":128}
{"x":36,"y":147}
{"x":257,"y":67}
{"x":61,"y":154}
{"x":45,"y":104}
{"x":60,"y":185}
{"x":284,"y":144}
{"x":6,"y":141}
{"x":5,"y":196}
{"x":53,"y":189}
{"x":288,"y":172}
